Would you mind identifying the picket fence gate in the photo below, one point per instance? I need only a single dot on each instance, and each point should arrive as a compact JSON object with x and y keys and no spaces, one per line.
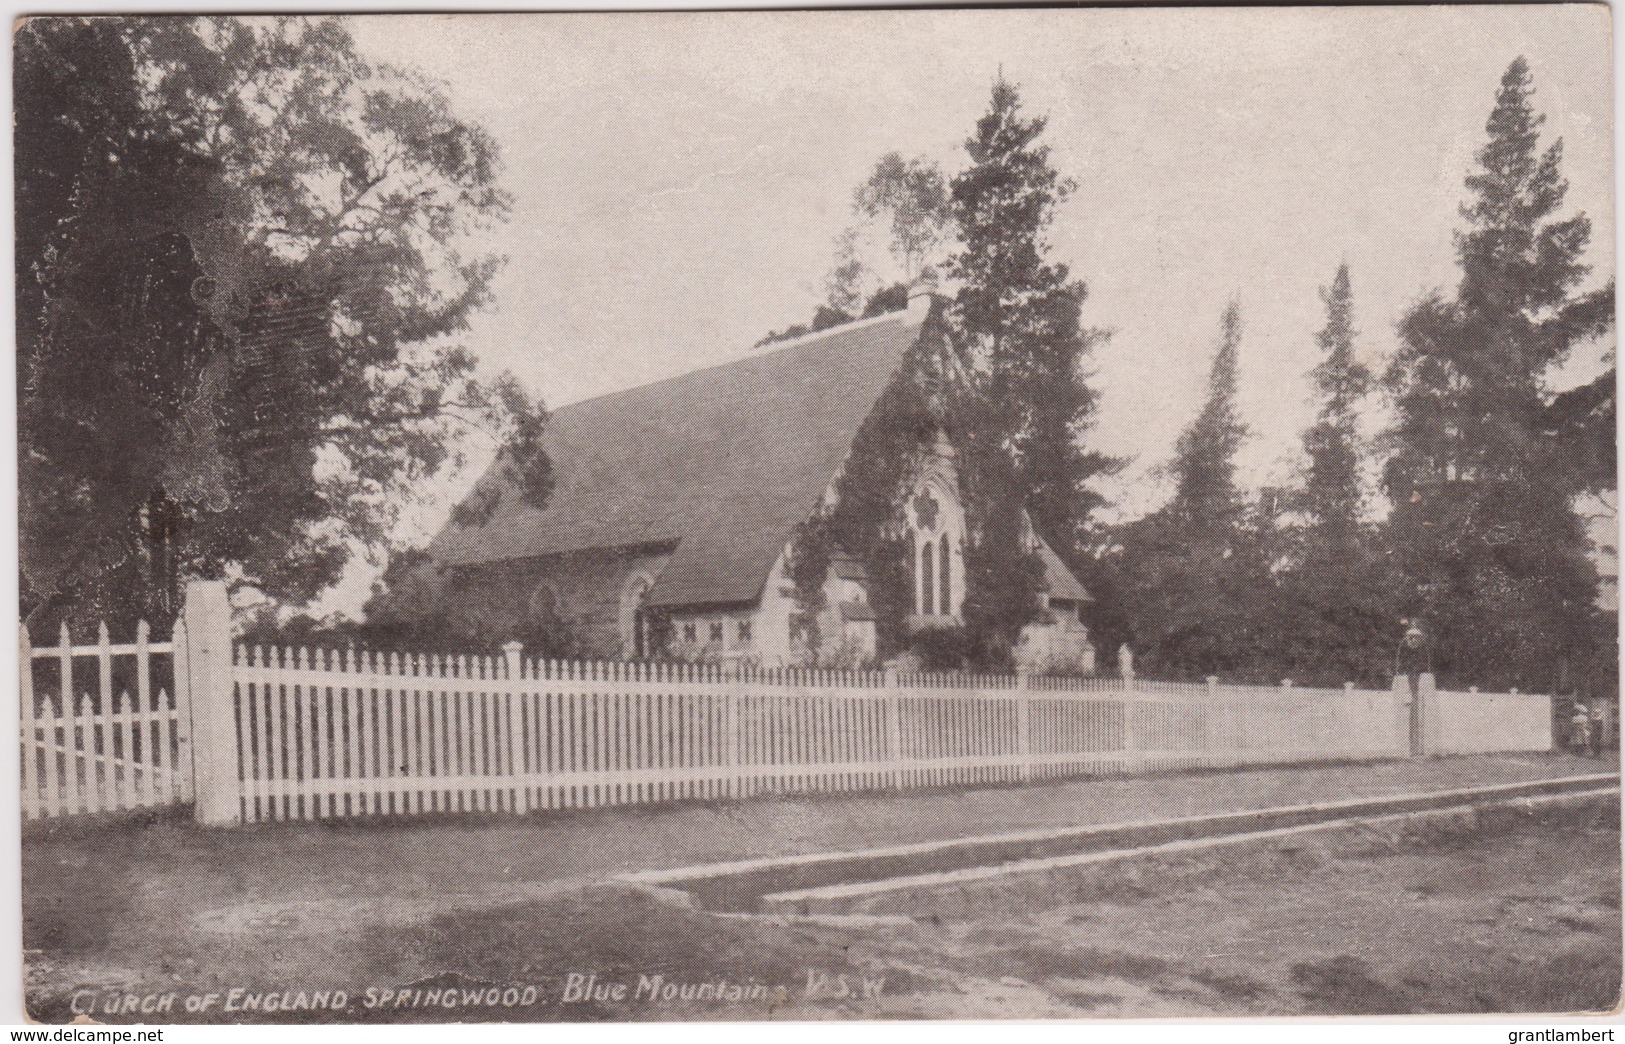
{"x":121,"y":744}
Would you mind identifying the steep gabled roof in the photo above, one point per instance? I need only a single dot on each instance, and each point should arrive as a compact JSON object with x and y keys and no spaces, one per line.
{"x":1059,"y":581}
{"x":723,"y":463}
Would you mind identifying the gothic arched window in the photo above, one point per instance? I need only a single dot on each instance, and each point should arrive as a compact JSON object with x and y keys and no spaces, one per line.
{"x":928,"y":554}
{"x":935,"y":530}
{"x":635,"y":638}
{"x":913,"y":574}
{"x":545,"y":605}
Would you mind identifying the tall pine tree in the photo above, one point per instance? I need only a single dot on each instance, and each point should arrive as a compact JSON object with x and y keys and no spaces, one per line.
{"x":1333,"y":496}
{"x":1193,"y":578}
{"x":1206,"y":498}
{"x":1334,"y":614}
{"x":1020,"y":344}
{"x":1483,"y":528}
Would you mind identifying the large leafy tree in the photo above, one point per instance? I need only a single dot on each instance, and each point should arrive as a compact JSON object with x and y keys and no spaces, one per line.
{"x":243,"y":273}
{"x":100,"y":191}
{"x":1483,"y":527}
{"x":911,"y":198}
{"x":903,"y":203}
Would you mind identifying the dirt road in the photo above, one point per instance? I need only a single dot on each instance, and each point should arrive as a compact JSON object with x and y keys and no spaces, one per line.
{"x":1520,"y":917}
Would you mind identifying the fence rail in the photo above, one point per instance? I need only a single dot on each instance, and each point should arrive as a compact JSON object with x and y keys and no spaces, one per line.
{"x":101,"y":747}
{"x":328,"y":734}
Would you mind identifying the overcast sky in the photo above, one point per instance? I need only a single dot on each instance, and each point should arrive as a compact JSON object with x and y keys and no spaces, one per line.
{"x":679,"y":179}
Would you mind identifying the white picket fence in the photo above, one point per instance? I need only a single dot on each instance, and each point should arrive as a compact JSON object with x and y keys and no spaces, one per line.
{"x":101,"y":736}
{"x":255,"y":734}
{"x":334,"y":734}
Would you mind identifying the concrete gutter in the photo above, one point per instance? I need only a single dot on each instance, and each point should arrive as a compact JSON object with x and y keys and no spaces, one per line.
{"x":984,"y":854}
{"x":839,"y":897}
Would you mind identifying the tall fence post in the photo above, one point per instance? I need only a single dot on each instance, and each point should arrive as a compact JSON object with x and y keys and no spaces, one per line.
{"x":31,"y":740}
{"x":894,"y":727}
{"x":1024,"y":717}
{"x":1224,"y":724}
{"x":1133,"y":756}
{"x":512,"y":720}
{"x":1403,"y":732}
{"x":181,"y":678}
{"x":1133,"y":761}
{"x":733,"y":741}
{"x":207,"y":616}
{"x":1427,"y":703}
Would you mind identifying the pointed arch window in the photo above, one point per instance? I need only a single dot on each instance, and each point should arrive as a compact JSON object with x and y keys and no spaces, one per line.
{"x":935,"y":533}
{"x":636,"y":632}
{"x":928,"y":554}
{"x":913,"y":573}
{"x":545,"y":605}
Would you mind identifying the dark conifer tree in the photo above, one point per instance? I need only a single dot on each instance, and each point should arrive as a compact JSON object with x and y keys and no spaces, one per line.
{"x":1335,"y":617}
{"x":1017,"y":332}
{"x":1206,"y":497}
{"x":1333,"y":496}
{"x":1193,"y":577}
{"x":1483,"y":528}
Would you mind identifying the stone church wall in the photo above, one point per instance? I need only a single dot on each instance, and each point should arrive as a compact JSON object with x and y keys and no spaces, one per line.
{"x":584,"y":591}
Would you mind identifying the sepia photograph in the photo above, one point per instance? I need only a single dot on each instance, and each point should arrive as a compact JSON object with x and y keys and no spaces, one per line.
{"x":1047,"y":513}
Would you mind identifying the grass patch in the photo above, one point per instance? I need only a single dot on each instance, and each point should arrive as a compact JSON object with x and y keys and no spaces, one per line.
{"x":616,"y":936}
{"x":1345,"y":985}
{"x":1086,"y":962}
{"x":1231,"y":986}
{"x":1584,"y":979}
{"x":1086,"y":1000}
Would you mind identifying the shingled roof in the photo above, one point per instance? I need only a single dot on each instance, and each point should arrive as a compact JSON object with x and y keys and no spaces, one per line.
{"x":722,"y":463}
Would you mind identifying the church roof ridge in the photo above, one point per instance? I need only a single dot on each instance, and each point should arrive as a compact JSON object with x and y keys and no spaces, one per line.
{"x":722,"y":462}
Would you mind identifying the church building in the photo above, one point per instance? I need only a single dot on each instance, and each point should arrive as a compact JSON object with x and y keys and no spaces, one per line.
{"x":671,"y":519}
